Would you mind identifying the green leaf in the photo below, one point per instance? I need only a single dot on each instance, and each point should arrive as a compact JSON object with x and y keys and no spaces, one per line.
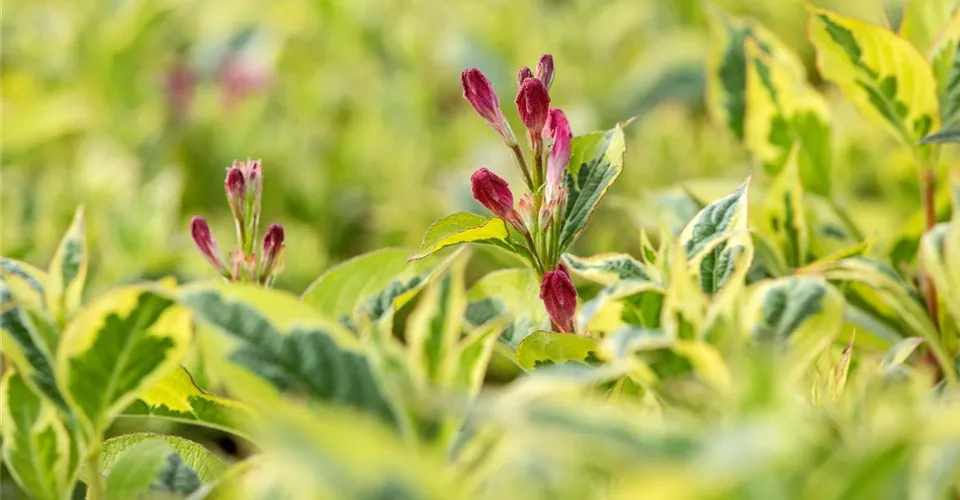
{"x":135,"y":468}
{"x":68,"y":272}
{"x":117,"y":347}
{"x":784,"y":113}
{"x":631,"y":302}
{"x":723,"y":260}
{"x":924,"y":20}
{"x":940,"y":254}
{"x":944,"y":58}
{"x":26,"y":348}
{"x":513,"y":294}
{"x":372,"y":285}
{"x":464,"y":227}
{"x":176,"y":397}
{"x":596,"y":160}
{"x":943,"y":136}
{"x":784,"y":215}
{"x":805,"y":313}
{"x":475,"y":351}
{"x":274,"y":342}
{"x":548,"y":348}
{"x":206,"y":466}
{"x":606,"y":268}
{"x":434,"y":327}
{"x":727,"y":66}
{"x":27,"y":283}
{"x":882,"y":74}
{"x":898,"y":354}
{"x":38,"y":449}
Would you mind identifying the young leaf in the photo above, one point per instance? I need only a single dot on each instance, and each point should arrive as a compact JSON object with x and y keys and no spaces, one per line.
{"x":512,"y":294}
{"x":38,"y":449}
{"x":176,"y":397}
{"x":26,"y":283}
{"x":26,"y":348}
{"x":182,"y":467}
{"x":944,"y":57}
{"x":883,"y":74}
{"x":273,"y":342}
{"x":784,"y":113}
{"x":464,"y":227}
{"x":548,"y":348}
{"x":785,"y":214}
{"x":134,"y":469}
{"x":943,"y":136}
{"x":607,"y":268}
{"x":434,"y":327}
{"x":372,"y":285}
{"x":596,"y":160}
{"x":719,"y":220}
{"x":68,"y":272}
{"x":117,"y":347}
{"x":805,"y":313}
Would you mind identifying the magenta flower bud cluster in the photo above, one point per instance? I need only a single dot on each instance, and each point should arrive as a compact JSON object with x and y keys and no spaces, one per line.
{"x":243,"y":185}
{"x":538,"y":216}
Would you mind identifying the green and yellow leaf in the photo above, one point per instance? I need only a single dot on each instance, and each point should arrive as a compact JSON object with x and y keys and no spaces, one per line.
{"x":547,"y":348}
{"x":944,"y":58}
{"x":596,"y":160}
{"x":434,"y":327}
{"x":461,"y":228}
{"x":784,"y":214}
{"x":38,"y":449}
{"x":513,"y":294}
{"x":372,"y":285}
{"x":176,"y":397}
{"x":882,"y":74}
{"x":145,"y":461}
{"x":116,"y":348}
{"x":68,"y":272}
{"x":26,"y":283}
{"x":924,"y":21}
{"x":606,"y":268}
{"x":274,"y":344}
{"x":783,"y":112}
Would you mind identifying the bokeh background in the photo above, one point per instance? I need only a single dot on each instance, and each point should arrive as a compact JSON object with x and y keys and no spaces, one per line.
{"x":134,"y":108}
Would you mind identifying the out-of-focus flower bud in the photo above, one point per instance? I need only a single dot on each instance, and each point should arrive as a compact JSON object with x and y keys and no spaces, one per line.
{"x":273,"y":246}
{"x":478,"y":90}
{"x":523,"y":74}
{"x":533,"y":103}
{"x":526,"y":210}
{"x":559,"y":296}
{"x":558,"y":129}
{"x":203,"y":238}
{"x":180,"y":88}
{"x":545,"y":70}
{"x":493,"y":193}
{"x":236,"y":188}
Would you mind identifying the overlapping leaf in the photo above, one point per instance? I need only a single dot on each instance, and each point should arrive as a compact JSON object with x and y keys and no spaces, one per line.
{"x":465,"y":227}
{"x":147,"y":462}
{"x":67,"y":272}
{"x":512,"y":294}
{"x":372,"y":285}
{"x":549,"y":348}
{"x":117,"y":347}
{"x":273,"y":342}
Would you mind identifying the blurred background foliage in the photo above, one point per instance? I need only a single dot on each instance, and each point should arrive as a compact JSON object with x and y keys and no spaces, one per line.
{"x":135,"y":107}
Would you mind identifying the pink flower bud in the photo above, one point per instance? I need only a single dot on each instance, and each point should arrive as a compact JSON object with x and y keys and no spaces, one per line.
{"x":203,"y":238}
{"x":494,"y":193}
{"x":273,"y":245}
{"x":236,"y":187}
{"x":559,"y":296}
{"x":558,"y":129}
{"x":545,"y":70}
{"x":523,"y":74}
{"x":479,"y":91}
{"x":533,"y":103}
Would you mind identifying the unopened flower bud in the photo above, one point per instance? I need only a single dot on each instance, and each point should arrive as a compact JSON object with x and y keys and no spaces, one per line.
{"x":558,"y":129}
{"x":533,"y":103}
{"x":203,"y":238}
{"x":526,"y":211}
{"x":559,"y":296}
{"x":273,"y":245}
{"x":545,"y":70}
{"x":523,"y":74}
{"x":479,"y":91}
{"x":493,"y":193}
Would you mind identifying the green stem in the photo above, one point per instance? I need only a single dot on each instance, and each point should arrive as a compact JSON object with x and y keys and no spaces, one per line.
{"x":522,"y":165}
{"x":94,"y":478}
